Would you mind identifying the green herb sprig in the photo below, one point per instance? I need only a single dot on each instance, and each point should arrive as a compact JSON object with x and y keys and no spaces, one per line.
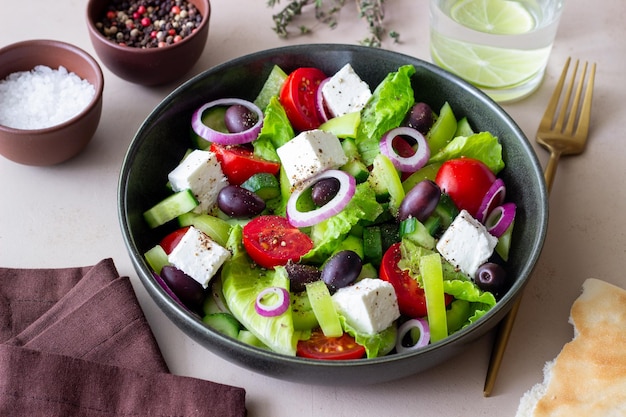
{"x":326,"y":12}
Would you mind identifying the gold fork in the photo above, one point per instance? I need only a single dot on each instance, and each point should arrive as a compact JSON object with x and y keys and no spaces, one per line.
{"x":563,"y":130}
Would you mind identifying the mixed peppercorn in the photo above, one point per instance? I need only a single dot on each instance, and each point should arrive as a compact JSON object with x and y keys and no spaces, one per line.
{"x":149,"y":23}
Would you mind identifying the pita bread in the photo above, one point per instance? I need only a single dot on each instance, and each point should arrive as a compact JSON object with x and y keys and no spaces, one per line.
{"x":588,"y":377}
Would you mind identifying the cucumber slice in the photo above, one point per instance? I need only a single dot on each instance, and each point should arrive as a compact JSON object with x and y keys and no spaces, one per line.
{"x":446,"y":210}
{"x":224,"y":323}
{"x":343,"y":126}
{"x":368,"y":271}
{"x":214,"y":227}
{"x":272,"y":86}
{"x":353,"y":243}
{"x":463,"y":128}
{"x":156,"y":258}
{"x":390,"y":234}
{"x":427,"y":172}
{"x":170,"y":208}
{"x":384,"y":178}
{"x":415,"y":231}
{"x":215,"y":301}
{"x":247,"y":337}
{"x":357,"y":169}
{"x":354,"y":166}
{"x":504,"y":243}
{"x":457,"y":315}
{"x":263,"y":184}
{"x":324,"y":309}
{"x":372,"y":245}
{"x":442,"y":130}
{"x":432,"y":278}
{"x":302,"y":312}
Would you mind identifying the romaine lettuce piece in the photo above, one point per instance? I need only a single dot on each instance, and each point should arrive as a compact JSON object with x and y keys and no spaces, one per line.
{"x":327,"y":234}
{"x":275,"y":132}
{"x":390,"y":103}
{"x":482,"y":146}
{"x":375,"y":345}
{"x":241,"y":283}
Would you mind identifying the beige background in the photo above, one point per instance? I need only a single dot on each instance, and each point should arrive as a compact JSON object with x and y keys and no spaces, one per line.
{"x":66,"y":215}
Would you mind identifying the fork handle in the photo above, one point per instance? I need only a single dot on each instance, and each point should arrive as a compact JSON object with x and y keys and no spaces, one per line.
{"x":550,"y":171}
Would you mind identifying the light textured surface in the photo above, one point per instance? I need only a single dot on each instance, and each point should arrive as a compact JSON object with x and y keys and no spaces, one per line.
{"x":66,"y":215}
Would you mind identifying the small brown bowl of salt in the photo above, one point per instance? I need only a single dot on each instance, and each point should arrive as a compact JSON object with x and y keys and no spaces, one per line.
{"x":148,"y":43}
{"x":50,"y":101}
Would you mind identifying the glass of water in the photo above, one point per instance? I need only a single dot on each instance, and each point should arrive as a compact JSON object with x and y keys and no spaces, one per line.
{"x":500,"y":46}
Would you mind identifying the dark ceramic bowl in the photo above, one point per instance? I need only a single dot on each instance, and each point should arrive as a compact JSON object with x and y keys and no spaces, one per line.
{"x":148,"y":66}
{"x":55,"y":144}
{"x":158,"y":147}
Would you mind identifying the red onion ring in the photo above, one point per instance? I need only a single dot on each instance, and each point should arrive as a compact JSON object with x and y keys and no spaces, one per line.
{"x":211,"y":135}
{"x":278,"y":307}
{"x":422,"y":326}
{"x":500,"y":219}
{"x":405,"y":164}
{"x":347,"y":187}
{"x":493,"y":198}
{"x":320,"y":103}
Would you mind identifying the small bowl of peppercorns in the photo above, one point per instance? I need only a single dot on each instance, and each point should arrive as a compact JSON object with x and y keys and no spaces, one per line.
{"x":148,"y":42}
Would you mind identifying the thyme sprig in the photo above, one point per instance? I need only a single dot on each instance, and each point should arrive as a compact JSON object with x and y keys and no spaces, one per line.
{"x":326,"y":12}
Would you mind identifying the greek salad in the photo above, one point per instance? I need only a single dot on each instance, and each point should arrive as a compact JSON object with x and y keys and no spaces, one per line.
{"x":331,"y":219}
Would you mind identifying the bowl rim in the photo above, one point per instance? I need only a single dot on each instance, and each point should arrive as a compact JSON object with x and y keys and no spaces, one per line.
{"x":96,"y":34}
{"x":85,"y":56}
{"x":195,"y":327}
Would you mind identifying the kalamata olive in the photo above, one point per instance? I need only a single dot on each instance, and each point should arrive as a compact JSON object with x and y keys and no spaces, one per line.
{"x":420,"y":201}
{"x":420,"y":118}
{"x":188,"y":290}
{"x":239,"y":118}
{"x":492,"y":277}
{"x":324,"y":190}
{"x":238,"y":202}
{"x":300,"y":275}
{"x":342,"y":269}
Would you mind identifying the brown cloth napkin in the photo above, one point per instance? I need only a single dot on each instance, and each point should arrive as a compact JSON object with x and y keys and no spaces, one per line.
{"x":75,"y":342}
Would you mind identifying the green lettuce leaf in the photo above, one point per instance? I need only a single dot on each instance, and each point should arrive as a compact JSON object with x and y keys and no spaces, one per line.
{"x":241,"y":283}
{"x":327,"y":234}
{"x":275,"y":132}
{"x":378,"y":344}
{"x":390,"y":102}
{"x":482,"y":146}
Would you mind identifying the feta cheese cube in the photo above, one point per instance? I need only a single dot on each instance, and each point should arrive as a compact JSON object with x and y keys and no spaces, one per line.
{"x":466,"y":244}
{"x":370,"y":305}
{"x":198,"y":256}
{"x":345,"y":92}
{"x":310,"y":153}
{"x":201,"y":173}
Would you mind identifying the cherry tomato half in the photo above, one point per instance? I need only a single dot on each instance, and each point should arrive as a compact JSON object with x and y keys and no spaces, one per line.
{"x":169,"y":242}
{"x":239,"y":163}
{"x":272,"y":240}
{"x":466,"y":181}
{"x":298,"y":97}
{"x":411,"y":298}
{"x":319,"y":346}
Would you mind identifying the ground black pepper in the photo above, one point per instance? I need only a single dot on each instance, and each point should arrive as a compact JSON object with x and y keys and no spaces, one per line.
{"x":149,"y":23}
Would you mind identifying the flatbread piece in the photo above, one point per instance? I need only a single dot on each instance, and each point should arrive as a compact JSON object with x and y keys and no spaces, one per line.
{"x":588,"y":377}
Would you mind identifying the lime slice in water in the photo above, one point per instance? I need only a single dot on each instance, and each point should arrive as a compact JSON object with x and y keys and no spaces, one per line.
{"x":502,"y":17}
{"x":486,"y":66}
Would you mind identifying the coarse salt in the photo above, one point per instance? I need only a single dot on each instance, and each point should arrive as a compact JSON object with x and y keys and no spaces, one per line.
{"x":42,"y":97}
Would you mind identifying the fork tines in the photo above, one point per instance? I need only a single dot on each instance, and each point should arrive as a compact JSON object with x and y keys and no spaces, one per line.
{"x":578,"y":120}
